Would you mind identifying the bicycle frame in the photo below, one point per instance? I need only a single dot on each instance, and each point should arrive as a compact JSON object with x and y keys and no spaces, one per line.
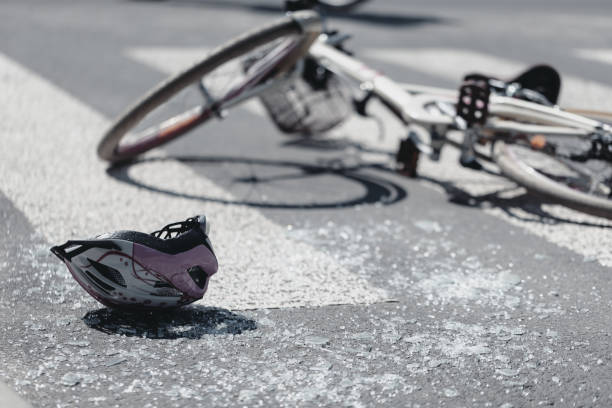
{"x":408,"y":102}
{"x":509,"y":124}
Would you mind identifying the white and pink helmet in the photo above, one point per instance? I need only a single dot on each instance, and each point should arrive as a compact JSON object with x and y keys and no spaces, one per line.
{"x":129,"y":269}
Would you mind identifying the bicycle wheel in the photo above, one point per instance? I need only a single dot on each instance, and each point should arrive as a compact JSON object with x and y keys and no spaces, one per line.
{"x":239,"y":70}
{"x":340,"y":5}
{"x":557,"y":175}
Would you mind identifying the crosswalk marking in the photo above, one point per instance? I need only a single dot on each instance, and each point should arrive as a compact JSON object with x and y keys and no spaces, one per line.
{"x":169,"y":60}
{"x":172,"y":60}
{"x":51,"y":173}
{"x":453,"y":64}
{"x":596,"y":54}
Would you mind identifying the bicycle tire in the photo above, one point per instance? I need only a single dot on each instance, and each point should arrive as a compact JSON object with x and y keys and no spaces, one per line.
{"x":538,"y":183}
{"x":340,"y":5}
{"x":304,"y":25}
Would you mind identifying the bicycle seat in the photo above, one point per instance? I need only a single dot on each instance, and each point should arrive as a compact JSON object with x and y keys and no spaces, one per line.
{"x":543,"y":79}
{"x":532,"y":84}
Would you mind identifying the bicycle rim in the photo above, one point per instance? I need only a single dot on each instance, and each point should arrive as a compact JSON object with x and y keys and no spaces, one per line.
{"x":228,"y":76}
{"x":584,"y":186}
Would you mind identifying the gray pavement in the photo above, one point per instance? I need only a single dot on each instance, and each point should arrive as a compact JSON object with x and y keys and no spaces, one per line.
{"x":469,"y":298}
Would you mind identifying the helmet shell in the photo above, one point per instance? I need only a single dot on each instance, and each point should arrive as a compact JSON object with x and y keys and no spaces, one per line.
{"x":123,"y":274}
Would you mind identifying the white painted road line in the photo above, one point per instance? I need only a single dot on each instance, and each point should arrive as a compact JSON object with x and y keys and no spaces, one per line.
{"x":9,"y":399}
{"x":453,"y":64}
{"x":172,"y":60}
{"x":592,"y":242}
{"x":603,"y":55}
{"x":169,"y":60}
{"x":51,"y":173}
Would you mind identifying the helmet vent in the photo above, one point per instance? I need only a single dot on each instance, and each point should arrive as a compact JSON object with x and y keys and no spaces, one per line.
{"x":175,"y":229}
{"x":109,"y":273}
{"x":97,"y":282}
{"x":198,"y":275}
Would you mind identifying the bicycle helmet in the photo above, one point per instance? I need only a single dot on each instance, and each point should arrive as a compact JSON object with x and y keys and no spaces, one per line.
{"x":129,"y":269}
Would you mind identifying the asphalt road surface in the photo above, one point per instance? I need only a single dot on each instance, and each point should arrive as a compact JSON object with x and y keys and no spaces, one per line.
{"x":341,"y":283}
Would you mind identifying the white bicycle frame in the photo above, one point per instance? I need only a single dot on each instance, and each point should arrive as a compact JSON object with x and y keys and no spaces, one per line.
{"x":408,"y":102}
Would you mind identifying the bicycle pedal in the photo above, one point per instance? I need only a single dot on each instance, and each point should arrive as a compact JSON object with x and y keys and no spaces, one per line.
{"x":473,"y":103}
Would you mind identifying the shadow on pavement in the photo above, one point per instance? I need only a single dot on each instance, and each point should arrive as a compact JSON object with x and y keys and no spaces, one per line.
{"x":368,"y":17}
{"x":248,"y":184}
{"x":527,"y":202}
{"x":377,"y":189}
{"x":192,"y":322}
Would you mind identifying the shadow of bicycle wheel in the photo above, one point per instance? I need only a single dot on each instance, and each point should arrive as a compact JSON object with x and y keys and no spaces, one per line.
{"x":372,"y":188}
{"x":531,"y":206}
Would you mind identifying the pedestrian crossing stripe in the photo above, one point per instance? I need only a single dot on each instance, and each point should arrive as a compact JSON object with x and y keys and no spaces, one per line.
{"x":51,"y":173}
{"x":452,"y":64}
{"x":603,"y":55}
